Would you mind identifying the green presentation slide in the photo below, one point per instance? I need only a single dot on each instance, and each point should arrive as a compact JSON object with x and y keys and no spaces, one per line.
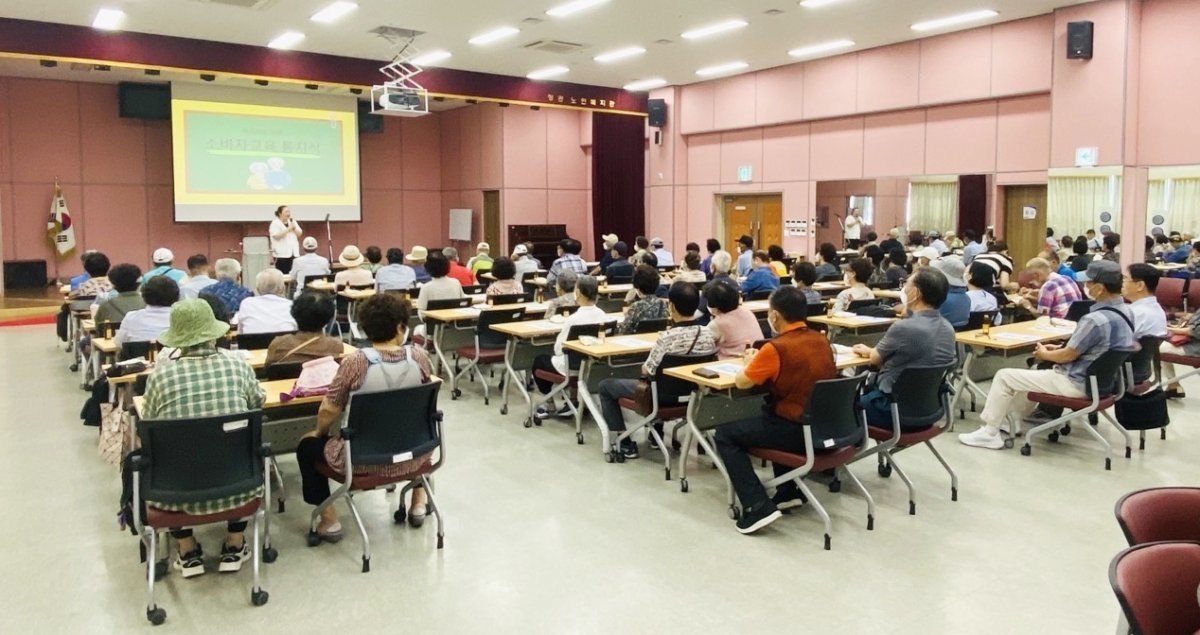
{"x":243,"y":154}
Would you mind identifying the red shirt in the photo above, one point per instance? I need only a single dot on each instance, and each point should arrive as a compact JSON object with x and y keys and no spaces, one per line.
{"x":462,"y":274}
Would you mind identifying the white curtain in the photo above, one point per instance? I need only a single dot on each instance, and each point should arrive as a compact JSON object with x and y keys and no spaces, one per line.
{"x":1183,"y":206}
{"x":933,"y":206}
{"x":1074,"y":203}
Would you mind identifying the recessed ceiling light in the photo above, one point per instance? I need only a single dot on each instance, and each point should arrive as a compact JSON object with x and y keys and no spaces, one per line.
{"x":286,"y":40}
{"x":108,"y":19}
{"x":720,"y":69}
{"x":334,"y":12}
{"x":824,"y":47}
{"x":549,"y":71}
{"x":573,"y":7}
{"x":619,"y":54}
{"x":494,"y":35}
{"x":713,"y":29}
{"x":954,"y":20}
{"x":813,"y":4}
{"x":645,"y":84}
{"x":431,"y":58}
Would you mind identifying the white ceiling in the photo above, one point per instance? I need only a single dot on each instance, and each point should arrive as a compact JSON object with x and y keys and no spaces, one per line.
{"x":448,"y":24}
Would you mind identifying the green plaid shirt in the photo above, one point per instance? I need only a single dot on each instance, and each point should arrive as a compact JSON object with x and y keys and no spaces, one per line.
{"x":202,"y":382}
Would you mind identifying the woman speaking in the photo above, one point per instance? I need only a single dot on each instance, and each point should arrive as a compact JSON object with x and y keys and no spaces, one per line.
{"x":285,"y":239}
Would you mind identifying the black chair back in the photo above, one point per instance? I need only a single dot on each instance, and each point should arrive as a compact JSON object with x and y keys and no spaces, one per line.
{"x":1078,"y":309}
{"x":920,"y":395}
{"x":884,"y":284}
{"x":1145,"y":361}
{"x":1107,"y":371}
{"x":620,"y":279}
{"x":579,"y":330}
{"x":485,"y":336}
{"x":283,"y":370}
{"x":384,"y":425}
{"x":568,"y":309}
{"x":472,"y":289}
{"x":453,"y":303}
{"x":652,"y":325}
{"x":832,"y":277}
{"x":833,"y":413}
{"x":673,"y":392}
{"x":761,"y":294}
{"x":107,"y":329}
{"x":132,"y":350}
{"x":976,"y":319}
{"x":257,"y":341}
{"x":785,"y":280}
{"x":193,"y":460}
{"x":509,"y":298}
{"x":855,"y":305}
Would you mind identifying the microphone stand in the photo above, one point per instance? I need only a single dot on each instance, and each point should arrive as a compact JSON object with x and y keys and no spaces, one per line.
{"x":328,"y":237}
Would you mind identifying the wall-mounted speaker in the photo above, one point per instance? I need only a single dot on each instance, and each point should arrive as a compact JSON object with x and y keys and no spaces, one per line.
{"x":1079,"y":40}
{"x":657,"y":109}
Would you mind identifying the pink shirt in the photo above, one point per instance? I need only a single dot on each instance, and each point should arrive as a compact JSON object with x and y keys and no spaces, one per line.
{"x":733,"y":330}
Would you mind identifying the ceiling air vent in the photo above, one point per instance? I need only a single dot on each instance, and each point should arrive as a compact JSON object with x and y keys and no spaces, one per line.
{"x":664,"y":41}
{"x":395,"y":33}
{"x":256,"y":5}
{"x":532,"y":21}
{"x":553,"y":46}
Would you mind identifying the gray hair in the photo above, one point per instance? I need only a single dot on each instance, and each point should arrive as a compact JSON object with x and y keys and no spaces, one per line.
{"x":567,"y":281}
{"x":587,"y":286}
{"x":1038,"y":264}
{"x":722,"y":262}
{"x":269,"y":282}
{"x":450,"y":253}
{"x":228,"y":269}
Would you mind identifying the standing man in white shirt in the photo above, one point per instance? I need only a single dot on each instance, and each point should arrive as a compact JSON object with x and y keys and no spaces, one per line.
{"x":285,"y":239}
{"x":853,"y":228}
{"x":310,"y":265}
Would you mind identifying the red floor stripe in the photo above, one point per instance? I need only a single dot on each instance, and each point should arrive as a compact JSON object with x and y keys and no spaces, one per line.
{"x":30,"y":321}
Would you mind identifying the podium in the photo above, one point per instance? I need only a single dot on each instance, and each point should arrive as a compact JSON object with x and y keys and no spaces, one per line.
{"x":256,"y":256}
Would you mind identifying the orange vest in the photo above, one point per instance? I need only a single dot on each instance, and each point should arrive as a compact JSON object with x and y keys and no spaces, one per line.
{"x":804,"y":359}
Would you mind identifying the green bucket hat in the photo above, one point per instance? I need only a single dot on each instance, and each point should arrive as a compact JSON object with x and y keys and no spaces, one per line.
{"x":192,"y":324}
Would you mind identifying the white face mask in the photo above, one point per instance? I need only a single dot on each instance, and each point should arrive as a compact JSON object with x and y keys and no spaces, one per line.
{"x":1087,"y":291}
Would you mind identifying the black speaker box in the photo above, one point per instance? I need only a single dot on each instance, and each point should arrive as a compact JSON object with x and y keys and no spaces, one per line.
{"x":25,"y":274}
{"x":657,"y":108}
{"x":1079,"y":40}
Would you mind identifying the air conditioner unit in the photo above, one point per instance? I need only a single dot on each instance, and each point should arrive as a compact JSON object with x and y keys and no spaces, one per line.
{"x":399,"y":101}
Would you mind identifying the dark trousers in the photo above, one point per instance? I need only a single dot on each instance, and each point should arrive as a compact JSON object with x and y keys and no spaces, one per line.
{"x":234,"y":527}
{"x":309,"y":454}
{"x":284,"y":265}
{"x":878,"y":409}
{"x":611,"y":392}
{"x":735,"y":438}
{"x":543,"y":362}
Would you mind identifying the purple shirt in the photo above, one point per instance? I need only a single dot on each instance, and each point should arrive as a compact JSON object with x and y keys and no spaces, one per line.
{"x":1057,"y":294}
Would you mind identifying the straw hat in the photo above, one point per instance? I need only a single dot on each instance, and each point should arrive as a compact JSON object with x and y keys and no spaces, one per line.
{"x":351,"y":256}
{"x":310,"y":243}
{"x":163,"y":256}
{"x":418,"y":254}
{"x":192,"y":323}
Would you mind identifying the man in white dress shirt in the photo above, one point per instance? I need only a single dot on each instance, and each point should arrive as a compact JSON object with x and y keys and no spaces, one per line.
{"x":665,"y":258}
{"x":268,"y":311}
{"x":285,"y":239}
{"x":310,"y":265}
{"x":853,"y":228}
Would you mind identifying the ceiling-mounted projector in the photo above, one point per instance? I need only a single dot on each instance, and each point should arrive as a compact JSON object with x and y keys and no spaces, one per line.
{"x":399,"y":101}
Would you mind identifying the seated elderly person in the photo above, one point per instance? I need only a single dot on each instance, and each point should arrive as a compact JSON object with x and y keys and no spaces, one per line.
{"x":504,"y":271}
{"x":690,"y":271}
{"x":722,"y":265}
{"x":789,"y":365}
{"x":96,"y":265}
{"x":1107,"y":327}
{"x":163,"y":259}
{"x":268,"y":311}
{"x":856,"y":281}
{"x":355,"y":273}
{"x":734,"y":328}
{"x":1055,"y":293}
{"x":124,"y":278}
{"x":957,"y":306}
{"x":686,"y":337}
{"x":309,"y":266}
{"x":441,"y":287}
{"x":586,"y":289}
{"x":804,"y":276}
{"x":144,"y":325}
{"x":565,"y":298}
{"x":388,"y":364}
{"x":201,"y":381}
{"x":198,"y":278}
{"x":396,"y":276}
{"x":761,"y":277}
{"x":924,"y":338}
{"x":312,"y":311}
{"x":648,"y":306}
{"x":374,"y":258}
{"x":228,"y":288}
{"x":621,"y":267}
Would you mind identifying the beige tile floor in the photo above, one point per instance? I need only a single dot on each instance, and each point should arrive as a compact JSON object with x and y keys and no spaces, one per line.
{"x":544,"y":536}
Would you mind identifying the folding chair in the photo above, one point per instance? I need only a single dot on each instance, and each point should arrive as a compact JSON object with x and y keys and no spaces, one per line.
{"x":283,"y":370}
{"x":620,"y":279}
{"x":1078,"y":309}
{"x":669,"y":399}
{"x":562,"y":383}
{"x":920,"y":406}
{"x":652,"y":325}
{"x":1155,"y":584}
{"x":1192,"y":299}
{"x":381,"y":429}
{"x":425,"y":341}
{"x":489,"y":347}
{"x":1107,"y":383}
{"x":258,"y":341}
{"x":835,"y":432}
{"x":1170,"y":293}
{"x":761,"y":294}
{"x":1159,"y":513}
{"x":473,"y":289}
{"x":192,"y":460}
{"x":509,"y":298}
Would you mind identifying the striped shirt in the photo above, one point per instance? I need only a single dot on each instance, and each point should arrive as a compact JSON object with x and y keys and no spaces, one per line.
{"x":1101,"y":330}
{"x":566,"y":262}
{"x":203,"y":382}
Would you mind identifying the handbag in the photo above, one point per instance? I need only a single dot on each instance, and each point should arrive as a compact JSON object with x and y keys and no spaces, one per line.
{"x":1179,"y":340}
{"x":642,"y":394}
{"x":315,"y":377}
{"x":114,"y":441}
{"x":1143,"y":412}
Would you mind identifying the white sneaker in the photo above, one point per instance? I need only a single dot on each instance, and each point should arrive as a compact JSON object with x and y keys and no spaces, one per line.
{"x":233,"y":557}
{"x":981,"y":438}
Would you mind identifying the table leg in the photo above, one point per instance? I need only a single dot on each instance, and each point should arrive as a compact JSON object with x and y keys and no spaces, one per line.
{"x":510,"y":352}
{"x":440,"y":357}
{"x":587,"y":402}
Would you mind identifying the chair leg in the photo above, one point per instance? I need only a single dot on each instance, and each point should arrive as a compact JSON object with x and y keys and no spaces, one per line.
{"x":437,"y":511}
{"x":362,"y":531}
{"x":662,"y":446}
{"x":1124,"y":433}
{"x":816,"y":504}
{"x":258,"y":597}
{"x":280,"y":492}
{"x":153,"y":613}
{"x":912,"y":491}
{"x":1104,"y":442}
{"x":867,"y":495}
{"x":482,"y":380}
{"x":953,"y":477}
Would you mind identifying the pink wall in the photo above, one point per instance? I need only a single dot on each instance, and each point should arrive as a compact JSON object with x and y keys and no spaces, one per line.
{"x":1167,"y":127}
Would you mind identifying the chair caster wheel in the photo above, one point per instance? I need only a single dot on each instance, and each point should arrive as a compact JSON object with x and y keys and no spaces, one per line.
{"x":270,"y":554}
{"x":156,"y":616}
{"x":1107,"y":463}
{"x":74,"y":368}
{"x":578,"y":437}
{"x":161,"y":569}
{"x":885,"y":470}
{"x":609,"y":457}
{"x":528,"y":423}
{"x":1053,"y":437}
{"x":455,"y":394}
{"x":366,"y":568}
{"x":537,"y":422}
{"x":485,"y":402}
{"x":1128,"y":452}
{"x":962,"y":414}
{"x":440,"y":542}
{"x":835,"y":486}
{"x":870,"y":522}
{"x":313,"y":539}
{"x":400,"y":515}
{"x":280,"y":507}
{"x":620,"y":457}
{"x":259,"y":597}
{"x":734,"y":512}
{"x":828,"y":543}
{"x":1026,"y":450}
{"x":954,"y":494}
{"x":1065,"y":430}
{"x":668,"y":474}
{"x":1008,"y":444}
{"x":1142,"y":444}
{"x":503,"y":410}
{"x":683,"y":485}
{"x":912,"y":508}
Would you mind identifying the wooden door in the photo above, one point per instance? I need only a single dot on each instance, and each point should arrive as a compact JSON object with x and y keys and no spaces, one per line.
{"x":770,"y":221}
{"x":740,"y":213}
{"x":1025,"y":236}
{"x":491,"y":222}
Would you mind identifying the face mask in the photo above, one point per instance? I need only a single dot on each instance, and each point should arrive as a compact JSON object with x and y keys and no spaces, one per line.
{"x":1087,"y":291}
